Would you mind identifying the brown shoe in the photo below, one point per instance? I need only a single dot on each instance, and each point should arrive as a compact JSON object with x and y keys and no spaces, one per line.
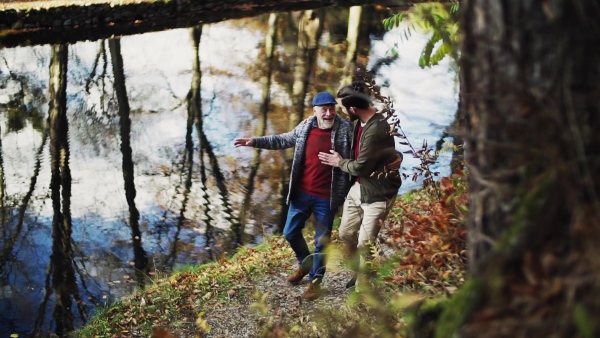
{"x":297,"y":276}
{"x":313,"y":291}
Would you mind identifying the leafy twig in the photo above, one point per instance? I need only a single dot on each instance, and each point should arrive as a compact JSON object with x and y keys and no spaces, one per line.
{"x":425,"y":154}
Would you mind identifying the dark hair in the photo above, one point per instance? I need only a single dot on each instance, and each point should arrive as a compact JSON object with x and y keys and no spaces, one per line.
{"x":353,"y":95}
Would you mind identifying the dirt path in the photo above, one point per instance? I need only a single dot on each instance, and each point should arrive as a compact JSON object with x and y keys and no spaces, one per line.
{"x":239,"y":318}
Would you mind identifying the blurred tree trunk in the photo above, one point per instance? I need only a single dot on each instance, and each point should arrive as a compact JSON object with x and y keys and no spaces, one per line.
{"x":2,"y":191}
{"x":270,"y":41}
{"x":457,"y":129}
{"x":459,"y":125}
{"x":140,"y":257}
{"x":354,"y":16}
{"x":5,"y":226}
{"x":310,"y":29}
{"x":531,"y":85}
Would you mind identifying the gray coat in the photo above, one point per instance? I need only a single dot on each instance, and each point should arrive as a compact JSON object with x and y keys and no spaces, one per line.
{"x":341,"y":137}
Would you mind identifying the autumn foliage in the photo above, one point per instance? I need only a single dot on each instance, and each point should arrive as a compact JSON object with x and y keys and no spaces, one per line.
{"x":428,"y":231}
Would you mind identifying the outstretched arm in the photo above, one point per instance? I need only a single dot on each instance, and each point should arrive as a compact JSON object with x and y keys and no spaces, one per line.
{"x":243,"y":142}
{"x":272,"y":142}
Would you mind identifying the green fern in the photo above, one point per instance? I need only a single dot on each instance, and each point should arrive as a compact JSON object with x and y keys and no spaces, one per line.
{"x":425,"y":58}
{"x":440,"y":20}
{"x":393,"y":21}
{"x":440,"y":53}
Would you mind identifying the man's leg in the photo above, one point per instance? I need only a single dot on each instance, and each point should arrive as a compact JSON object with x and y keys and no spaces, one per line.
{"x":351,"y":219}
{"x":374,"y":216}
{"x":298,"y":212}
{"x":323,"y":224}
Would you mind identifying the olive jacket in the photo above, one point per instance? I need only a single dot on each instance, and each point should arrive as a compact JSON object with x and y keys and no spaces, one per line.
{"x":377,"y":148}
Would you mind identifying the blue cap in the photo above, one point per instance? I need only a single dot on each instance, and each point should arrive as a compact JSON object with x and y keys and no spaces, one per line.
{"x":323,"y":99}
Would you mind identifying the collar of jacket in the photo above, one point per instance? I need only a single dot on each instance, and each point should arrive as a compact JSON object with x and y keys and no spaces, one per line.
{"x":369,"y":123}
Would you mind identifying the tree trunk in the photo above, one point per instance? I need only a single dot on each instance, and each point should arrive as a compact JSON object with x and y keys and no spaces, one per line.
{"x":354,"y":16}
{"x":5,"y":227}
{"x":531,"y":74}
{"x":2,"y":189}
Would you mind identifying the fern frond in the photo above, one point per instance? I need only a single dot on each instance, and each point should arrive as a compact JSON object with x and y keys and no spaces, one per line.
{"x":393,"y":21}
{"x":440,"y":53}
{"x":441,"y":20}
{"x":424,"y":60}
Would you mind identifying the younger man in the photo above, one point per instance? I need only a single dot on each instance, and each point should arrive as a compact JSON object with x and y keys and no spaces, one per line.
{"x":371,"y":197}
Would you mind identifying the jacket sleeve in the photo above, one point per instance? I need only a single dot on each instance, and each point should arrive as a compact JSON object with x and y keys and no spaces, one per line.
{"x":279,"y":141}
{"x":345,"y":140}
{"x":372,"y":154}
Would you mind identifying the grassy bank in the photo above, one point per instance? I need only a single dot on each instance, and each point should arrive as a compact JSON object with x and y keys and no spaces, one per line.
{"x":421,"y":256}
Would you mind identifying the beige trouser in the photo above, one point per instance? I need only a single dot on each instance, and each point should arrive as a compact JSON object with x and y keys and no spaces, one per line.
{"x":361,"y":222}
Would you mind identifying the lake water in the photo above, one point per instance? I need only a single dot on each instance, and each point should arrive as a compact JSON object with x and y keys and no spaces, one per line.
{"x":191,"y":193}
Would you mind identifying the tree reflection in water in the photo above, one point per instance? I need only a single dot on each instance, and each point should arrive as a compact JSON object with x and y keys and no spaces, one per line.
{"x":61,"y":268}
{"x":270,"y":41}
{"x":139,"y":254}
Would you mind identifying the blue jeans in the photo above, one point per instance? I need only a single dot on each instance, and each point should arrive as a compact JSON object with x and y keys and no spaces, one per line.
{"x":301,"y":207}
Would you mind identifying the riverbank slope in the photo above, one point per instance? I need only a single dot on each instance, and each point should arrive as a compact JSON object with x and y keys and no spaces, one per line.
{"x":421,"y":255}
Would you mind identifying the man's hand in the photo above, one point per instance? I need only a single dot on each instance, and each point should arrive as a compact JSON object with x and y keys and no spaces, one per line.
{"x":332,"y":159}
{"x":243,"y":142}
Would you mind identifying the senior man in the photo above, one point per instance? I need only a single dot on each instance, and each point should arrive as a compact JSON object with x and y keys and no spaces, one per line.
{"x":315,"y":188}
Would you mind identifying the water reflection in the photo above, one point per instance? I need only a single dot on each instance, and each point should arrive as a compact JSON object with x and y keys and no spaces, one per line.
{"x":146,"y":179}
{"x":140,"y":258}
{"x":63,"y":284}
{"x":261,"y":128}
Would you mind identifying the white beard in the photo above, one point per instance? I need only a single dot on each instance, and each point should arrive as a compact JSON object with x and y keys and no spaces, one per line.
{"x":325,"y":124}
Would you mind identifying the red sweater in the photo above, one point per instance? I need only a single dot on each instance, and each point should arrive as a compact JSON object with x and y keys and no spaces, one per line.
{"x":316,"y":177}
